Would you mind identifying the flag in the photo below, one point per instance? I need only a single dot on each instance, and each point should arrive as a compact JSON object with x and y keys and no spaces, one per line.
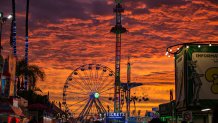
{"x":12,"y":71}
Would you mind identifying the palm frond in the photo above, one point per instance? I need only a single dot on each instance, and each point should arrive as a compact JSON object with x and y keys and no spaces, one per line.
{"x":34,"y":72}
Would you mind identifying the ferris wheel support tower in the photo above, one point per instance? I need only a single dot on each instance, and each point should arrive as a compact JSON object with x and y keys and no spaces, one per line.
{"x":118,"y":29}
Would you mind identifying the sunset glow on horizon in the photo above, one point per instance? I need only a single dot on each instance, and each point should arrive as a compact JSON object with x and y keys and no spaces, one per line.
{"x":66,"y":34}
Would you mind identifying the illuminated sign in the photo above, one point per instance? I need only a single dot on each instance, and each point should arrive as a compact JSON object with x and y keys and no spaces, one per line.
{"x":115,"y":114}
{"x":115,"y":117}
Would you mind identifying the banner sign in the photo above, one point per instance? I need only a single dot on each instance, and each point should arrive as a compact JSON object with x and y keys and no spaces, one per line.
{"x":196,"y":76}
{"x":207,"y":69}
{"x":115,"y":117}
{"x":12,"y":71}
{"x":202,"y":71}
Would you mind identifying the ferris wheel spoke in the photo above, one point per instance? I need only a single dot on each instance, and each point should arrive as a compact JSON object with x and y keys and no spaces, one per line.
{"x":81,"y":83}
{"x":100,"y":78}
{"x":105,"y":79}
{"x":78,"y":102}
{"x":92,"y":79}
{"x":103,"y":88}
{"x":96,"y":80}
{"x":76,"y":87}
{"x":79,"y":107}
{"x":104,"y":97}
{"x":89,"y":79}
{"x":109,"y":93}
{"x":85,"y":82}
{"x":78,"y":83}
{"x":82,"y":80}
{"x":86,"y":94}
{"x":76,"y":99}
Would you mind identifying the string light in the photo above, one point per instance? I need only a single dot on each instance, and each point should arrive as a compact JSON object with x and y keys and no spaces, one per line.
{"x":172,"y":49}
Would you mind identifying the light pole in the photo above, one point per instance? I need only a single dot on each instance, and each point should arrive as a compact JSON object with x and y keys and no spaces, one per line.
{"x":2,"y":20}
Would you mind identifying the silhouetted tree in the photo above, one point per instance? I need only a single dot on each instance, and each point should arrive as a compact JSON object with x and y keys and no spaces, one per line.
{"x":34,"y":73}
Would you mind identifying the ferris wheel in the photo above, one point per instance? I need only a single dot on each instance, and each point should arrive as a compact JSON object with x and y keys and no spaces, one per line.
{"x":88,"y":91}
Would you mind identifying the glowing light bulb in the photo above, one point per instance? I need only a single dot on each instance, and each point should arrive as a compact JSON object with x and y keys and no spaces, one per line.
{"x":96,"y":95}
{"x":170,"y":50}
{"x":9,"y":16}
{"x":199,"y":46}
{"x":207,"y":109}
{"x":178,"y":48}
{"x":187,"y":46}
{"x":210,"y":44}
{"x":166,"y":53}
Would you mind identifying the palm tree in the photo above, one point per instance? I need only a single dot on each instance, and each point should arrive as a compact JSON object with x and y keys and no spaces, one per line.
{"x":26,"y":45}
{"x":13,"y":29}
{"x":34,"y":73}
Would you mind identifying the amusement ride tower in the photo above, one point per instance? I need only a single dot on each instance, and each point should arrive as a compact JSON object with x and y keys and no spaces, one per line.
{"x":118,"y":29}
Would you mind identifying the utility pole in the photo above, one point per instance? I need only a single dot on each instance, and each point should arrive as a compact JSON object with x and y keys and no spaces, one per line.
{"x":118,"y":29}
{"x":128,"y":88}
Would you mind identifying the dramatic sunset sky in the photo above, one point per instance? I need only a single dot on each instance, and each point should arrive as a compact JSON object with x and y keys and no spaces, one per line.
{"x":64,"y":34}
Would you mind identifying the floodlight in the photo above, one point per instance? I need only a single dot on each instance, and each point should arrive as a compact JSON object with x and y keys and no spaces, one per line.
{"x":206,"y":109}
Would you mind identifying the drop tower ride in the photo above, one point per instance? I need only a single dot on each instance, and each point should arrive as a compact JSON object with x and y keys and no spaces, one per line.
{"x":118,"y":29}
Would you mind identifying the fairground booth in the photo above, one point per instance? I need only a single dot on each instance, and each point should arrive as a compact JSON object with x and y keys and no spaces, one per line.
{"x":196,"y":83}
